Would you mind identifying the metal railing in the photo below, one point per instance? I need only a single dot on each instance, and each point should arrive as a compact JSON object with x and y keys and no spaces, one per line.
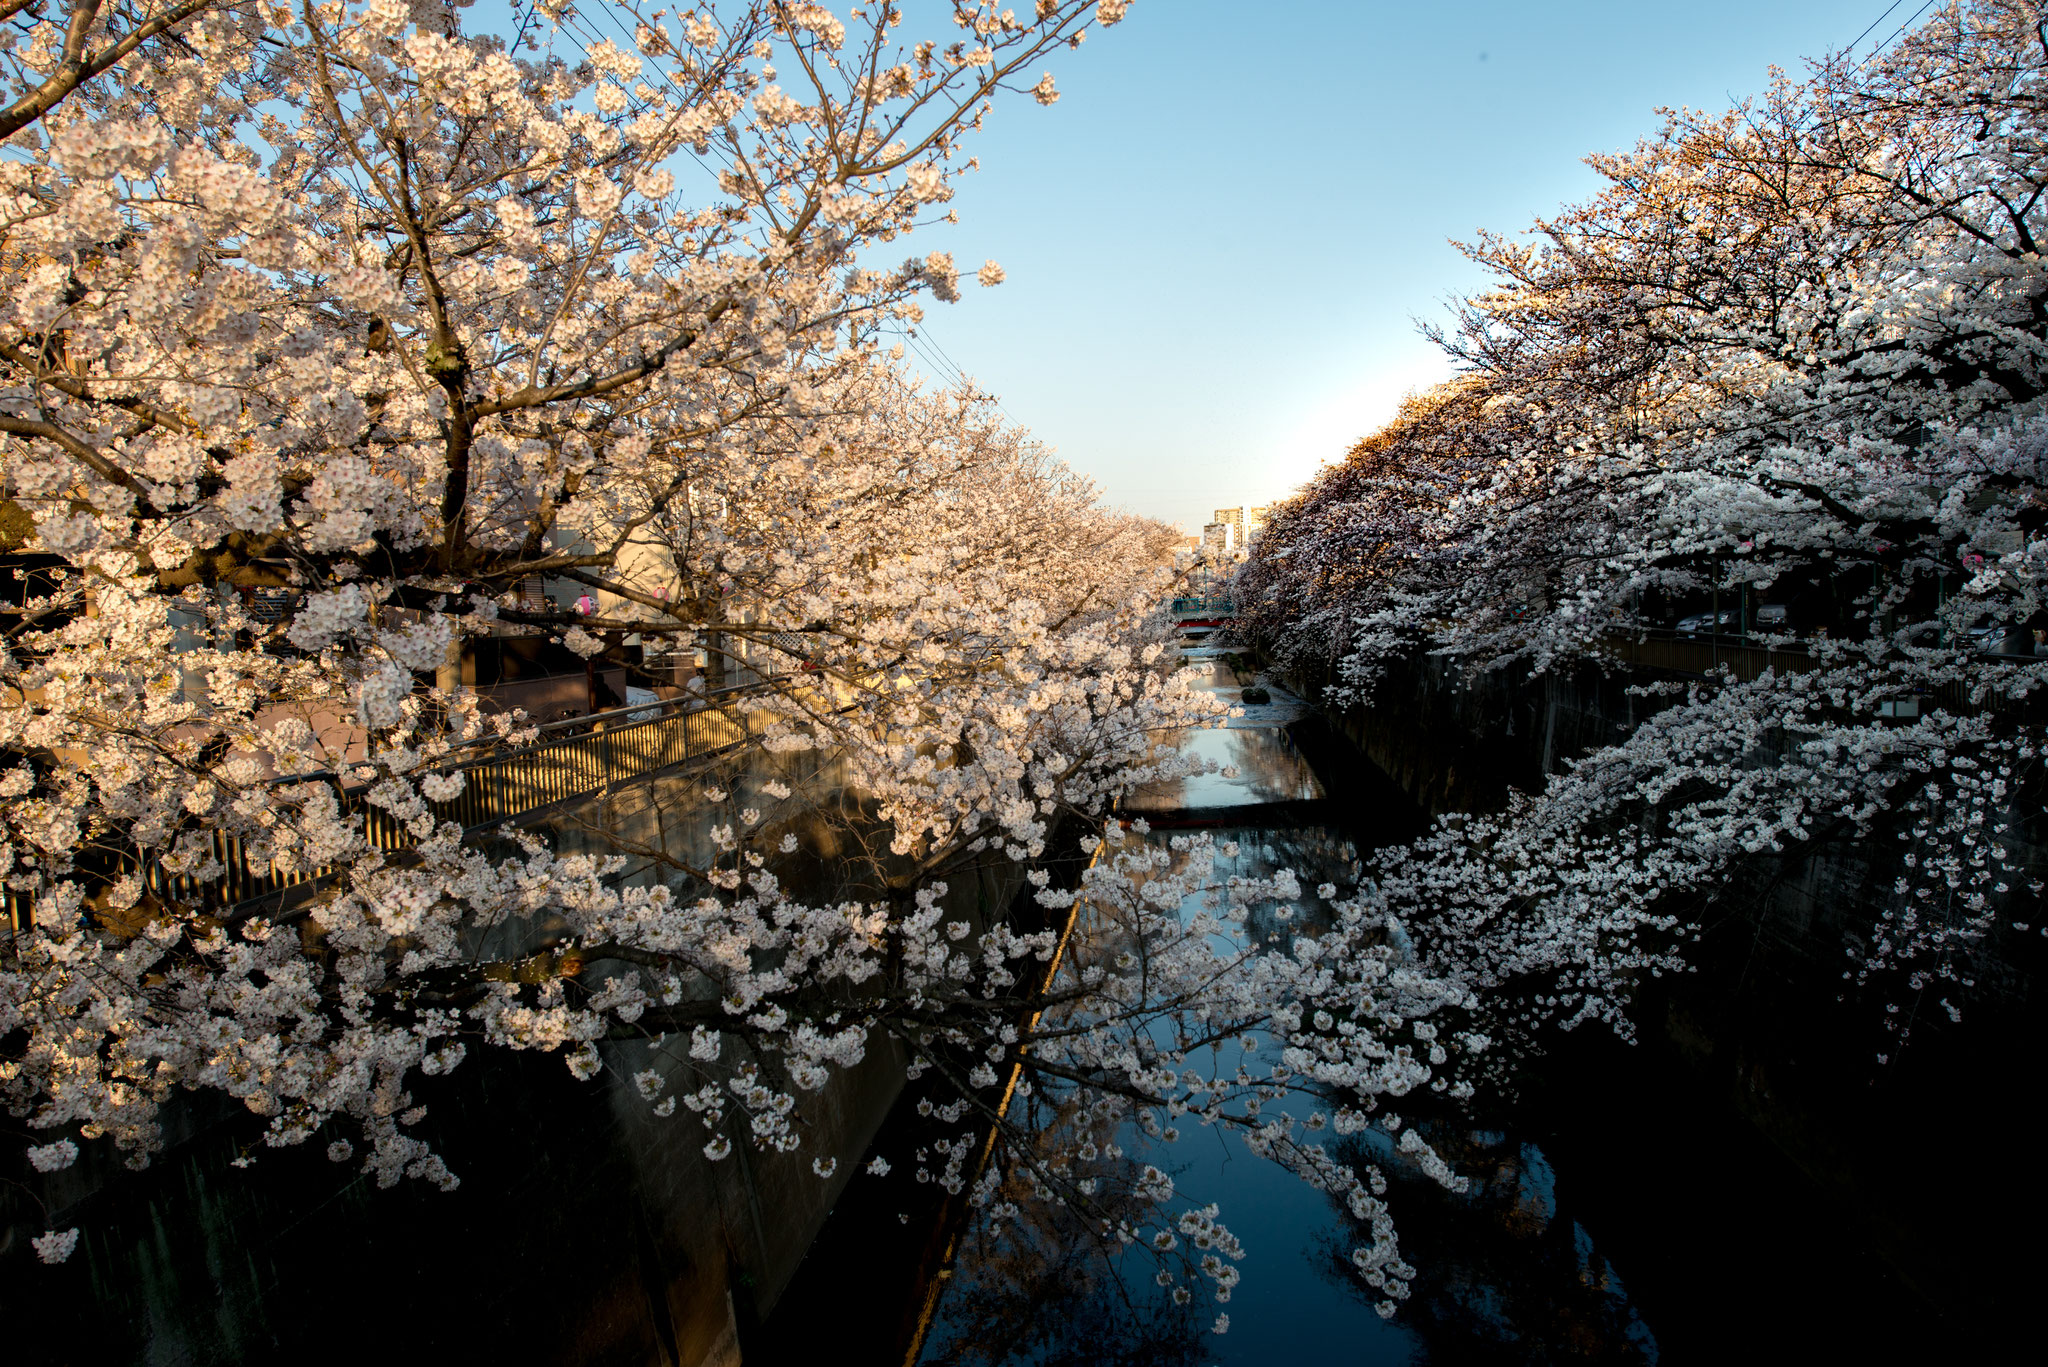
{"x":1702,"y":653}
{"x":567,"y":760}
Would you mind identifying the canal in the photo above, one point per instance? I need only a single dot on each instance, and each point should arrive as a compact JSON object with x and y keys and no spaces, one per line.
{"x":1615,"y":1215}
{"x":1619,"y":1212}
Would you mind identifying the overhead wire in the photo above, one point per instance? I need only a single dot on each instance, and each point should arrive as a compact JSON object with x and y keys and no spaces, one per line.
{"x":573,"y":21}
{"x":944,"y":362}
{"x":1902,"y":28}
{"x":1873,"y":25}
{"x":961,"y":370}
{"x":919,"y":345}
{"x":584,"y":29}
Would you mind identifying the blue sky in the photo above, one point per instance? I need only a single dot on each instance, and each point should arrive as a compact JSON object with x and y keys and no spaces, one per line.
{"x":1220,"y":239}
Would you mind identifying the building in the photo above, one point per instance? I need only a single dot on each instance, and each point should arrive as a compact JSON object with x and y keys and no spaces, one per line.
{"x":1216,"y":541}
{"x":1245,"y":525}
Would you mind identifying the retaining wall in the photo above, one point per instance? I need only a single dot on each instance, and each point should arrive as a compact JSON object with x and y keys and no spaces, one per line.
{"x":1913,"y":1147}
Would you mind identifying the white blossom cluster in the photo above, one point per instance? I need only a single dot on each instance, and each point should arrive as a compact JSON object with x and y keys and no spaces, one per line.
{"x":1707,"y":389}
{"x":325,"y":331}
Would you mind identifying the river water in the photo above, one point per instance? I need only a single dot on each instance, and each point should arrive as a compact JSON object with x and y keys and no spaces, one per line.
{"x":1614,"y":1216}
{"x":1617,"y":1214}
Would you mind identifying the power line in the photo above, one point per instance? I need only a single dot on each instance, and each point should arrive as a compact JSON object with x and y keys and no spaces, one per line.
{"x":1903,"y":27}
{"x":925,"y":345}
{"x":949,"y":363}
{"x":573,"y":23}
{"x":1874,"y":23}
{"x":918,"y":345}
{"x":941,"y":363}
{"x":958,"y":369}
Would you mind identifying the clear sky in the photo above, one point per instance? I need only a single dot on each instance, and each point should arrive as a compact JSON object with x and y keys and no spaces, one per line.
{"x":1221,"y":239}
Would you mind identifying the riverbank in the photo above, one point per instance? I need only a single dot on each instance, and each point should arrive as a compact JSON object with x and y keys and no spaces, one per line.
{"x":1623,"y":1211}
{"x":1764,"y":1045}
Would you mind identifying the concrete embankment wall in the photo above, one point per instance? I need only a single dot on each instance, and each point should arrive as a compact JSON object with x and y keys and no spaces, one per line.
{"x":587,"y":1230}
{"x":1909,"y":1147}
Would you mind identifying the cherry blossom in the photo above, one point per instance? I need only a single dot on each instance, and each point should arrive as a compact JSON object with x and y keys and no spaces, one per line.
{"x":1791,"y":355}
{"x":328,"y":329}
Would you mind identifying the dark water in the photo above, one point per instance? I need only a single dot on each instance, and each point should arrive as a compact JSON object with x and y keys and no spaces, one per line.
{"x":1619,"y":1212}
{"x":1622,"y":1211}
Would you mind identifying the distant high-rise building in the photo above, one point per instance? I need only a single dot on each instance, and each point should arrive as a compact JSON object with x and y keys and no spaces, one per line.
{"x":1245,"y":524}
{"x":1216,"y":539}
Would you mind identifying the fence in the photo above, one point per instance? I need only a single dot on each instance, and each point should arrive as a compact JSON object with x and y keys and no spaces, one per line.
{"x":1746,"y":659}
{"x":566,"y":760}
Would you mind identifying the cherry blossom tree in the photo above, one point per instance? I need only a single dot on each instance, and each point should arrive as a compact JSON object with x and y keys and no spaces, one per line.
{"x":329,"y":329}
{"x":387,"y":317}
{"x":379,"y":315}
{"x":1792,"y":353}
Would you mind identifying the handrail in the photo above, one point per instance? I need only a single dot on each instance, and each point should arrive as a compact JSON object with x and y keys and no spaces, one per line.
{"x":570,"y":759}
{"x":636,"y":711}
{"x":1748,"y":657}
{"x":567,"y":760}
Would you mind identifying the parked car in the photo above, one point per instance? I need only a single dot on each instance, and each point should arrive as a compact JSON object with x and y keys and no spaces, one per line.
{"x":2001,"y":638}
{"x":1708,"y":624}
{"x":1770,"y":618}
{"x":1990,"y":638}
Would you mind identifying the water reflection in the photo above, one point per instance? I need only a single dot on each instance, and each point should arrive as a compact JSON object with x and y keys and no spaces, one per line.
{"x":1043,"y":1292}
{"x":1505,"y":1277}
{"x":1285,"y":1309}
{"x":1257,"y":761}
